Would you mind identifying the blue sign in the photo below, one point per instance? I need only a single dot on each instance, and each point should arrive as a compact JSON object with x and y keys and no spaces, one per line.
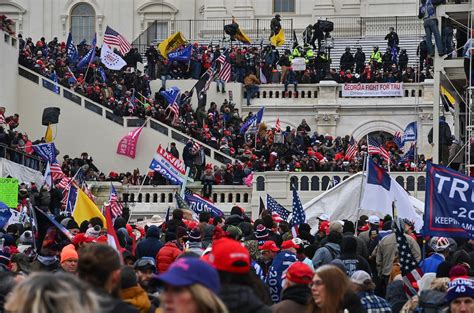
{"x":199,"y":204}
{"x":181,"y":55}
{"x":410,"y":133}
{"x":449,"y":203}
{"x":5,"y":214}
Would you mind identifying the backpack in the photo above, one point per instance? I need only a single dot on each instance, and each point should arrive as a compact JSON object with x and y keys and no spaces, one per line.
{"x":334,"y":253}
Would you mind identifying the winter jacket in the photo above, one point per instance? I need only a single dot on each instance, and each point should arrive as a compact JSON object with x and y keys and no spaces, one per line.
{"x":242,"y":299}
{"x":280,"y":264}
{"x":166,"y":256}
{"x":431,"y":264}
{"x":354,"y":262}
{"x":293,"y":299}
{"x":195,"y":247}
{"x":151,"y":244}
{"x":137,"y":297}
{"x":326,"y":254}
{"x":109,"y":304}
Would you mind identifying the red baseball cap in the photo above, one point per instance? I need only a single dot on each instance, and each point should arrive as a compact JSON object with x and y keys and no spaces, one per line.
{"x":299,"y":273}
{"x":269,"y":245}
{"x":289,"y":244}
{"x":229,"y":255}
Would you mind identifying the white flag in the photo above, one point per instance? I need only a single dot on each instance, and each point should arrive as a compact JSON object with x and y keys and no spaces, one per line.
{"x":110,"y":59}
{"x":48,"y":179}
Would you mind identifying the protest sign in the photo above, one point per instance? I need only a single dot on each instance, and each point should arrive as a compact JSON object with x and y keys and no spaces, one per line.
{"x":9,"y":191}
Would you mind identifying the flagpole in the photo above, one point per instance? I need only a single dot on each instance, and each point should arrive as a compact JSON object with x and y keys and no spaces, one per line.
{"x":364,"y":169}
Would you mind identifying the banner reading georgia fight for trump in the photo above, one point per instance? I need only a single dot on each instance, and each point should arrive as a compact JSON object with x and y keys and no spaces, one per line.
{"x":373,"y":90}
{"x":449,"y":203}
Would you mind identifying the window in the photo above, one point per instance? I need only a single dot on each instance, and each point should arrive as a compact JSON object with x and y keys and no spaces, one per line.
{"x":83,"y":23}
{"x":157,"y":30}
{"x":283,"y":6}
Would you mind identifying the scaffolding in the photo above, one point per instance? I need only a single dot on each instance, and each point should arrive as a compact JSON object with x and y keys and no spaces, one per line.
{"x":452,"y":71}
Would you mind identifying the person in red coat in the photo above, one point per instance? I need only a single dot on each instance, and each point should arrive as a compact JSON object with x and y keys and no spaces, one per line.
{"x":170,"y":251}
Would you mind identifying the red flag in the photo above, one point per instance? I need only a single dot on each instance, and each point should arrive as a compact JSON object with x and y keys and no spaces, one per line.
{"x":128,"y":144}
{"x":112,"y":239}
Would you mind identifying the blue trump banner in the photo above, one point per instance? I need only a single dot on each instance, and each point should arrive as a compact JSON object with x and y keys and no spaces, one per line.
{"x":168,"y":166}
{"x":181,"y":55}
{"x":449,"y":203}
{"x":199,"y":204}
{"x":253,"y":120}
{"x":410,"y":133}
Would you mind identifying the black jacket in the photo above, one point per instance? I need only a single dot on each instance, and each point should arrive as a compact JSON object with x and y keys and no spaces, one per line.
{"x":242,"y":299}
{"x":151,"y":244}
{"x":298,"y":293}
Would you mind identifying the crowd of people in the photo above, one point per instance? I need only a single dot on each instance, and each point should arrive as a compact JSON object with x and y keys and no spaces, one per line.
{"x":230,"y":264}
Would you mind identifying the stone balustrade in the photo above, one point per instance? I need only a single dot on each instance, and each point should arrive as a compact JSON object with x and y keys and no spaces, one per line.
{"x":156,"y":199}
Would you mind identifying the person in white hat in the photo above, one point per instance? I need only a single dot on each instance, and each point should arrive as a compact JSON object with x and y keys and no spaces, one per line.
{"x":364,"y":288}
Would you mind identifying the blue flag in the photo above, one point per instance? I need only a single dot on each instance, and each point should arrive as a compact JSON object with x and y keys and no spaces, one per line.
{"x":171,"y":94}
{"x":199,"y":204}
{"x":449,"y":200}
{"x":255,"y":119}
{"x":47,"y":151}
{"x":181,"y":55}
{"x":89,"y":57}
{"x":72,"y":54}
{"x":71,"y":199}
{"x":54,"y":78}
{"x":409,"y":155}
{"x":410,"y":133}
{"x":5,"y":214}
{"x":102,"y":74}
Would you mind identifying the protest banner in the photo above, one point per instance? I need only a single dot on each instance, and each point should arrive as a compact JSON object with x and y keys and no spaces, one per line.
{"x":298,"y":64}
{"x":9,"y":191}
{"x":373,"y":90}
{"x":168,"y":166}
{"x":449,"y":203}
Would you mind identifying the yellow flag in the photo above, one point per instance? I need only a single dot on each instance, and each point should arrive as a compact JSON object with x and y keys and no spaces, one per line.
{"x":49,"y":134}
{"x":171,"y":43}
{"x":448,"y":95}
{"x":242,"y":37}
{"x":85,"y":209}
{"x":278,"y":39}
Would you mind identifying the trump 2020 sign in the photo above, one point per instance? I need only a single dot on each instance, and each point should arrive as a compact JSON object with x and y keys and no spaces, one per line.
{"x":449,"y":203}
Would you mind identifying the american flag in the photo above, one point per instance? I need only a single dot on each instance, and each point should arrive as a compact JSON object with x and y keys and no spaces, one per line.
{"x":56,"y":171}
{"x":278,"y":125}
{"x":408,"y":265}
{"x":196,"y":147}
{"x":376,"y":148}
{"x":351,"y":149}
{"x":64,"y":183}
{"x":112,"y":38}
{"x":174,"y":108}
{"x":115,"y":207}
{"x":276,"y":207}
{"x":225,"y":72}
{"x":397,"y":139}
{"x":211,"y":74}
{"x":299,"y":217}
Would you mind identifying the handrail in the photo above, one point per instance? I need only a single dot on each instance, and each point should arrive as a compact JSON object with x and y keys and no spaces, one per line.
{"x":124,"y":121}
{"x":3,"y":154}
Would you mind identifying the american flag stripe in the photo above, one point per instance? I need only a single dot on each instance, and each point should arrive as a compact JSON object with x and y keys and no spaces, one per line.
{"x":113,"y":38}
{"x":278,"y":125}
{"x":196,"y":147}
{"x":351,"y":149}
{"x":115,"y":206}
{"x":211,"y":74}
{"x":299,"y":216}
{"x":375,"y":148}
{"x":56,"y":171}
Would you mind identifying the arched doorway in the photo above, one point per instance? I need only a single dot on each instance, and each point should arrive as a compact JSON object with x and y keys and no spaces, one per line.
{"x":82,"y":23}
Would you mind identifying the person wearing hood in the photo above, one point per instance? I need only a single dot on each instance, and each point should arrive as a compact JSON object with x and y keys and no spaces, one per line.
{"x":241,"y":290}
{"x":150,"y":246}
{"x":280,"y":264}
{"x":235,"y":217}
{"x":296,"y":292}
{"x":330,"y":251}
{"x":352,"y":260}
{"x":131,"y":292}
{"x":445,"y":140}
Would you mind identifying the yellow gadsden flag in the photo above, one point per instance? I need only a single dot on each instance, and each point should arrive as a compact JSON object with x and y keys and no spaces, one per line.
{"x":49,"y":134}
{"x":85,"y":209}
{"x":171,"y":43}
{"x":242,"y":37}
{"x":278,"y":39}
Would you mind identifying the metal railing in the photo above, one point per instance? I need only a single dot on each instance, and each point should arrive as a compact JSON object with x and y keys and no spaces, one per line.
{"x":258,"y":29}
{"x":103,"y":111}
{"x":21,"y":157}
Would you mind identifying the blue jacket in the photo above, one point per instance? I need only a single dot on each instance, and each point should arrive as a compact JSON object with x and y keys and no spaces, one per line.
{"x":280,"y":264}
{"x":151,"y":244}
{"x":430,"y":264}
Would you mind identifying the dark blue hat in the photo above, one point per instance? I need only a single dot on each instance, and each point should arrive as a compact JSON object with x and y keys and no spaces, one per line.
{"x":189,"y":271}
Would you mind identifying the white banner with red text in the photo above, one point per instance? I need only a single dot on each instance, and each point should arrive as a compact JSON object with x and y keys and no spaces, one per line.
{"x":373,"y":90}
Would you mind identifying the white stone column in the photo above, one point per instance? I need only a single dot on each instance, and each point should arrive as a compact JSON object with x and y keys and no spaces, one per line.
{"x":243,"y":9}
{"x":214,"y":9}
{"x":323,"y":8}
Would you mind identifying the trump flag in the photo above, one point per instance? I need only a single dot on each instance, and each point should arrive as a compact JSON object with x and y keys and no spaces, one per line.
{"x":168,"y":166}
{"x":110,"y":59}
{"x":382,"y":192}
{"x":128,"y":144}
{"x":449,"y":203}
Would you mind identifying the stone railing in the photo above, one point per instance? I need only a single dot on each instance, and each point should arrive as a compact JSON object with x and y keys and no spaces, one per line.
{"x":156,"y":199}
